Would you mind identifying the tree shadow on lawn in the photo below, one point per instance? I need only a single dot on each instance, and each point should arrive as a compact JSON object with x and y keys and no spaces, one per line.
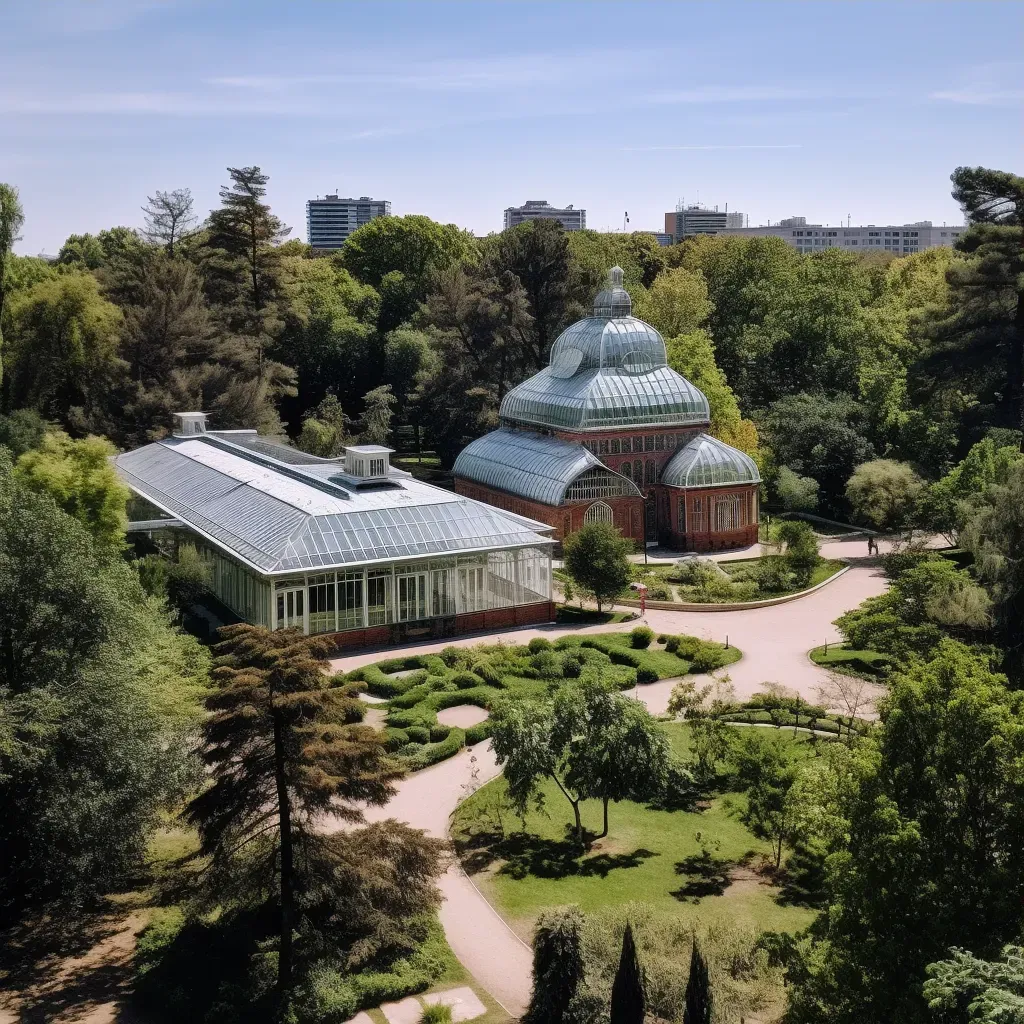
{"x":705,"y":876}
{"x":524,"y":855}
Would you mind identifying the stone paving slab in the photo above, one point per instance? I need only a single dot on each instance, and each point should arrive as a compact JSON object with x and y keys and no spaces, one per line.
{"x":464,"y":1002}
{"x":407,"y":1011}
{"x":362,"y":1017}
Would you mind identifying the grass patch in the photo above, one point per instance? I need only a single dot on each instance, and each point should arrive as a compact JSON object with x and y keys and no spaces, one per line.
{"x":866,"y":664}
{"x":651,"y":856}
{"x":571,"y":615}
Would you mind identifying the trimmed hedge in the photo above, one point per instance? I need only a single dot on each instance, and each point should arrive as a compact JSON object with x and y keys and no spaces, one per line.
{"x":434,"y":752}
{"x":478,"y":733}
{"x":640,"y":637}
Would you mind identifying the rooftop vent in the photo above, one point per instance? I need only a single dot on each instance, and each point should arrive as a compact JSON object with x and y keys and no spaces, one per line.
{"x":188,"y":424}
{"x":368,"y":461}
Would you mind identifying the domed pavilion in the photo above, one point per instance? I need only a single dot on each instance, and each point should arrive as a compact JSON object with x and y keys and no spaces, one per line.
{"x":609,"y":432}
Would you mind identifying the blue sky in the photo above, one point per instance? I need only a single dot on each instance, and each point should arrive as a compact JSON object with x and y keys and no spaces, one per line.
{"x":457,"y":110}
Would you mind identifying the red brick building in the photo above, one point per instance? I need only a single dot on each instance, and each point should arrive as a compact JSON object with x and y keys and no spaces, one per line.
{"x":609,"y":432}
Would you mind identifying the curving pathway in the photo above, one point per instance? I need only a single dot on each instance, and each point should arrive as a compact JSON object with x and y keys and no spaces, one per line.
{"x":775,"y":642}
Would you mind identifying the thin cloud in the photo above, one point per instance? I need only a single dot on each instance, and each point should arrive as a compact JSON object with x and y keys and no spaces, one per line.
{"x":675,"y":149}
{"x":979,"y":97}
{"x":730,"y":94}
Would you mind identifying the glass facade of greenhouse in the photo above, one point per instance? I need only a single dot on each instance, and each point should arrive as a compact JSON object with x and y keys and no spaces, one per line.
{"x":350,"y":546}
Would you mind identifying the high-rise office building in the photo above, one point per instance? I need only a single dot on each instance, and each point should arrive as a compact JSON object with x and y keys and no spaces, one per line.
{"x":699,"y":220}
{"x":330,"y":220}
{"x":540,"y":209}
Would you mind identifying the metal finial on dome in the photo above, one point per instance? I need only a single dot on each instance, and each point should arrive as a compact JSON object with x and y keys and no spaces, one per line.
{"x":613,"y":300}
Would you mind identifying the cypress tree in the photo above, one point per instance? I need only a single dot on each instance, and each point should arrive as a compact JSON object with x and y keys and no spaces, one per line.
{"x":698,"y":989}
{"x":628,"y":999}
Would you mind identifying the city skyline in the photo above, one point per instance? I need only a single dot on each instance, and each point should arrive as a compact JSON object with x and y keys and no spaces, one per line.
{"x":820,"y":111}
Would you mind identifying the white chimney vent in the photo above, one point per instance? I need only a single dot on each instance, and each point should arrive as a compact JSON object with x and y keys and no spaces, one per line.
{"x":368,"y":461}
{"x":188,"y":424}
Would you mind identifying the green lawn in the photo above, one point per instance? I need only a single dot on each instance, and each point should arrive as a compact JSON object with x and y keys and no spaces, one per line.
{"x":651,"y":856}
{"x":866,"y":664}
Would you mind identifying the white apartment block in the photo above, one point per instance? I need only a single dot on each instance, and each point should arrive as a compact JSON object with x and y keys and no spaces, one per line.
{"x":330,"y":220}
{"x":896,"y":238}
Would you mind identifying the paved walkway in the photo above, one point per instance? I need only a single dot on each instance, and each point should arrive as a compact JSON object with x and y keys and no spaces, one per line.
{"x":775,"y":642}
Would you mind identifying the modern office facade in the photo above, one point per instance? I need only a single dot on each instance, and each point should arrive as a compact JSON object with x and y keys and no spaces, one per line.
{"x":352,"y":547}
{"x":540,"y":209}
{"x":609,"y":432}
{"x":896,"y":238}
{"x":330,"y":220}
{"x":685,"y":221}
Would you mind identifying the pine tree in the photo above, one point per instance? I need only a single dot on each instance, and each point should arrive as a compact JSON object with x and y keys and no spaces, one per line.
{"x":282,"y":752}
{"x":699,"y":999}
{"x":628,"y":999}
{"x":377,"y":414}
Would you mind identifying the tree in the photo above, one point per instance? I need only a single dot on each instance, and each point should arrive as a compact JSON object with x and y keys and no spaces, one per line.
{"x":767,"y":771}
{"x":169,"y":218}
{"x":802,"y":549}
{"x":964,"y":988}
{"x":323,"y":430}
{"x":628,"y":998}
{"x":597,"y":561}
{"x":559,"y":966}
{"x":934,"y":823}
{"x":699,"y":998}
{"x":98,"y":699}
{"x":885,"y":493}
{"x":710,"y":737}
{"x":79,"y":477}
{"x":994,"y":534}
{"x":378,"y":410}
{"x":22,"y":431}
{"x":676,"y":303}
{"x":11,"y":219}
{"x":282,"y":753}
{"x":848,"y":694}
{"x":63,"y":350}
{"x":796,"y":493}
{"x":615,"y":748}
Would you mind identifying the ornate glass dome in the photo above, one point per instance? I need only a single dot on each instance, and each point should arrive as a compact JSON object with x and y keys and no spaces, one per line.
{"x":608,"y":370}
{"x":708,"y":462}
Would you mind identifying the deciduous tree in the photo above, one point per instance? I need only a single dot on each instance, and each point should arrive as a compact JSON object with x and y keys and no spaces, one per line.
{"x":11,"y":219}
{"x":597,"y":560}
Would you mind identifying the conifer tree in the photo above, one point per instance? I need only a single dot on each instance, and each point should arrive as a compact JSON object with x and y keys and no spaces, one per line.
{"x":558,"y":965}
{"x":283,"y":752}
{"x":699,"y":999}
{"x":628,"y":999}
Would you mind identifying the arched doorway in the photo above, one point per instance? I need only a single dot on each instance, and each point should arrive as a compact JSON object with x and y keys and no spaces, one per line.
{"x":599,"y":512}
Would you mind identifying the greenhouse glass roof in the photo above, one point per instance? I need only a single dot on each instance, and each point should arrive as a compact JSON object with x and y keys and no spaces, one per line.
{"x":708,"y":462}
{"x":529,"y":465}
{"x":608,"y":370}
{"x":280,"y":516}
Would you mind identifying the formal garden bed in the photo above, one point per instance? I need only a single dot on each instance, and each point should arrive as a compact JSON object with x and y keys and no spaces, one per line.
{"x":482,"y":674}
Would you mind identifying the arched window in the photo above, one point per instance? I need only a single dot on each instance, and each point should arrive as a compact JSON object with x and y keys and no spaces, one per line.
{"x":652,"y":473}
{"x":627,"y":470}
{"x":727,"y":513}
{"x":638,"y":473}
{"x":599,"y":512}
{"x":682,"y":514}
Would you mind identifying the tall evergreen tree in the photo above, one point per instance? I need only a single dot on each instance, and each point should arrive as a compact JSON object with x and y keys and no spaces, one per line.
{"x":559,"y":966}
{"x":377,"y":415}
{"x":11,"y":219}
{"x":629,"y":1001}
{"x":283,"y":754}
{"x":169,"y":218}
{"x":699,"y":998}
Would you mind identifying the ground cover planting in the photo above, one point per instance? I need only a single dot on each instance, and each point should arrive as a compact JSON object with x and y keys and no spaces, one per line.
{"x":417,"y":687}
{"x":840,"y":658}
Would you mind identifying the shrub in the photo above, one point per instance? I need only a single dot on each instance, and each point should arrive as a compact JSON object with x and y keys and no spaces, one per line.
{"x":547,"y":664}
{"x":477,"y":733}
{"x":487,"y":672}
{"x":395,"y":739}
{"x":640,"y":637}
{"x":672,"y":644}
{"x":646,"y":675}
{"x":697,"y":572}
{"x":455,"y":657}
{"x":659,"y":592}
{"x":418,"y":734}
{"x":706,"y":657}
{"x":619,"y":657}
{"x":538,"y":644}
{"x":439,"y":732}
{"x":770,"y":573}
{"x":436,"y":1014}
{"x":572,"y":665}
{"x":437,"y":751}
{"x":467,"y":680}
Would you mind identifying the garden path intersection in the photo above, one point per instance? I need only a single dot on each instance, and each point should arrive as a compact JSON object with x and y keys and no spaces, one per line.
{"x":774,"y":641}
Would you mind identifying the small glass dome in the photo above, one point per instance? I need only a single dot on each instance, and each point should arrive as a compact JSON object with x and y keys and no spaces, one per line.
{"x":613,"y":300}
{"x":708,"y":462}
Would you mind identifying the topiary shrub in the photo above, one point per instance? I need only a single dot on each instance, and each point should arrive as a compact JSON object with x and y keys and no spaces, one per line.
{"x":640,"y":637}
{"x":572,"y":665}
{"x":436,"y":752}
{"x":706,"y":657}
{"x":547,"y":664}
{"x":672,"y":644}
{"x":538,"y":644}
{"x":624,"y":658}
{"x":418,"y":734}
{"x":646,"y":675}
{"x":467,"y":680}
{"x":478,"y":733}
{"x":439,"y":732}
{"x":454,"y":657}
{"x":488,"y":672}
{"x":395,"y":739}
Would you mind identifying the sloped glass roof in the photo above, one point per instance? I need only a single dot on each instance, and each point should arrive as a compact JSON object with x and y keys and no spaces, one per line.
{"x":593,"y":399}
{"x":708,"y":462}
{"x":608,"y":370}
{"x":279,"y":520}
{"x":529,"y":465}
